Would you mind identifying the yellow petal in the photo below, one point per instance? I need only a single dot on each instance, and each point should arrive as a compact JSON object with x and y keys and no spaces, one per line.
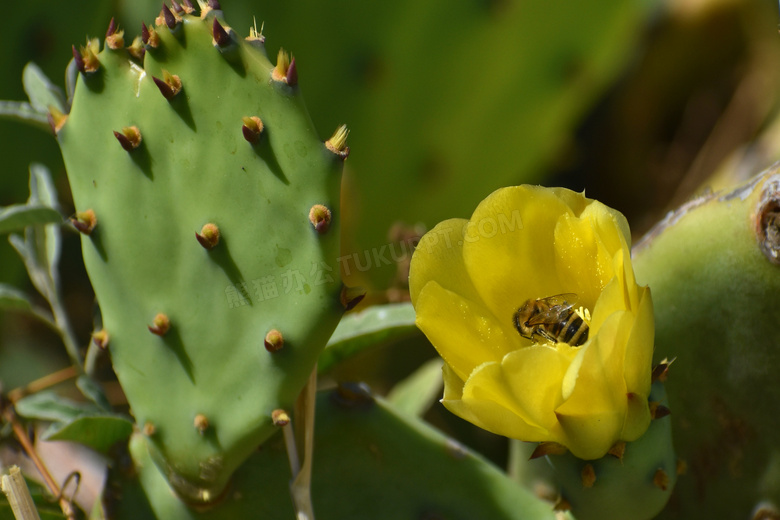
{"x":487,"y":414}
{"x":583,"y":261}
{"x":609,"y":301}
{"x":590,"y":435}
{"x":465,"y":333}
{"x":490,"y":395}
{"x":494,"y":418}
{"x":617,"y":294}
{"x":639,"y":347}
{"x":637,"y":418}
{"x":585,"y":247}
{"x":632,"y":289}
{"x":453,"y":385}
{"x":508,"y":249}
{"x":516,"y":397}
{"x":532,"y":377}
{"x":575,"y":201}
{"x":595,"y":378}
{"x":439,"y":256}
{"x":610,"y":225}
{"x":593,"y":415}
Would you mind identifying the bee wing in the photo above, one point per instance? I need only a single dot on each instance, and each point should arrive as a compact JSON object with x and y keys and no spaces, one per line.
{"x":558,"y":307}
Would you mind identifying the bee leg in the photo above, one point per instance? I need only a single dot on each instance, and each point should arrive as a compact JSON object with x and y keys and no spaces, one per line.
{"x":546,"y":335}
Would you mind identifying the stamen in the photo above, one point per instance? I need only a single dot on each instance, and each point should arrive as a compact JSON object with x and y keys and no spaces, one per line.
{"x":583,"y":313}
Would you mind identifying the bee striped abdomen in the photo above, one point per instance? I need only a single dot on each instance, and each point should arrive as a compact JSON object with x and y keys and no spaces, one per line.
{"x":574,"y":331}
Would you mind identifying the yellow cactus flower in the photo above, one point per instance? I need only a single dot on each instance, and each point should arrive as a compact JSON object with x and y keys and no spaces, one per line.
{"x":469,"y":278}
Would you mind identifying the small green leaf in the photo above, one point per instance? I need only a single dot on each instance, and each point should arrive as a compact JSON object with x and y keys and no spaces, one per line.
{"x":42,"y":189}
{"x":369,"y":328}
{"x":24,"y":112}
{"x":19,"y":216}
{"x":93,"y":391}
{"x":84,"y":423}
{"x":21,"y":248}
{"x":71,"y":75}
{"x":415,"y":394}
{"x":49,"y":406}
{"x":13,"y":298}
{"x":99,"y":432}
{"x":26,"y":251}
{"x":40,"y":90}
{"x":49,"y":239}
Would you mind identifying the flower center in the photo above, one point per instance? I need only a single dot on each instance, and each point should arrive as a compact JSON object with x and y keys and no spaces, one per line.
{"x":553,"y":319}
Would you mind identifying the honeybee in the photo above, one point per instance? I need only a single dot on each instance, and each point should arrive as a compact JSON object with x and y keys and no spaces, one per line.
{"x":553,"y":318}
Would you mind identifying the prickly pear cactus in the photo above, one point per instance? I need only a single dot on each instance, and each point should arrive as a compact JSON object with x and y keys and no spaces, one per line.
{"x":209,"y":211}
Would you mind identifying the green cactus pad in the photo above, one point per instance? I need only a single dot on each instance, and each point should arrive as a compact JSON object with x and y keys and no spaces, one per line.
{"x":200,"y":380}
{"x":714,"y":268}
{"x":370,"y":462}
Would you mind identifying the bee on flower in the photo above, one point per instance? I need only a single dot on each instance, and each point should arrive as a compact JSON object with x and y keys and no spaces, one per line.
{"x":555,"y":318}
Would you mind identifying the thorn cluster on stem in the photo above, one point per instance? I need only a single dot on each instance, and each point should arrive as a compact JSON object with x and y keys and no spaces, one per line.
{"x":169,"y":85}
{"x":252,"y":128}
{"x":220,"y":34}
{"x":338,"y":142}
{"x":208,"y":236}
{"x":351,"y":296}
{"x":84,"y":221}
{"x":201,"y":423}
{"x":320,"y":217}
{"x":274,"y":341}
{"x":130,"y":138}
{"x":114,"y":38}
{"x":160,"y":325}
{"x":285,"y":70}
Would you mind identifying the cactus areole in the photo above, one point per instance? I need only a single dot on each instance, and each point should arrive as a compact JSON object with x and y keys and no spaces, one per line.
{"x":187,"y":89}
